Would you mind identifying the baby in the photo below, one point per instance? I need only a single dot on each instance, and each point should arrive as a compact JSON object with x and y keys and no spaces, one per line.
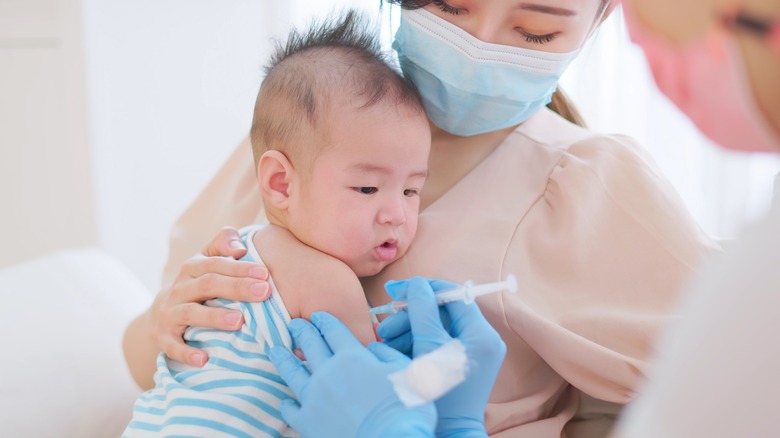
{"x":341,"y":145}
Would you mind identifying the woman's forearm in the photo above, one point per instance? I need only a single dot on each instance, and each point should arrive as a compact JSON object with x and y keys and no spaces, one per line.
{"x":141,"y":351}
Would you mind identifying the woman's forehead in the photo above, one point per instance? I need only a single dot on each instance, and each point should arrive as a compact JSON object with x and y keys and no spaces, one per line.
{"x":557,"y":7}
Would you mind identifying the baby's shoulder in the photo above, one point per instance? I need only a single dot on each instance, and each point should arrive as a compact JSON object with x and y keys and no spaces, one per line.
{"x":280,"y":247}
{"x":299,"y":271}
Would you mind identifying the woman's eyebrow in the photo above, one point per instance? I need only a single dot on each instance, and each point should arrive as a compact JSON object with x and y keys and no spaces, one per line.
{"x":547,"y":9}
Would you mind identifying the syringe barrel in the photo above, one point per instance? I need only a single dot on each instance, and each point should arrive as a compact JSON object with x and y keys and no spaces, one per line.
{"x":469,"y":290}
{"x":449,"y":295}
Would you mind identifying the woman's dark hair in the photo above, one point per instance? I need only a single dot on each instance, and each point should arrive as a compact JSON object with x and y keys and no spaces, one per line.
{"x":560,"y":103}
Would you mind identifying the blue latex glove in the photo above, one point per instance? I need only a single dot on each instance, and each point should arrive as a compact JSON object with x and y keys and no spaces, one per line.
{"x":347,"y":393}
{"x":462,"y":410}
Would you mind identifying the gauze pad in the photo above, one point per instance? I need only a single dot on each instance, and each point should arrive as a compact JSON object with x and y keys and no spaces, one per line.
{"x":430,"y":376}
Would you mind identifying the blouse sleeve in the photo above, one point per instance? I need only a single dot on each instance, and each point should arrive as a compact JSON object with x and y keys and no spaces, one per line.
{"x":231,"y":198}
{"x":609,"y":247}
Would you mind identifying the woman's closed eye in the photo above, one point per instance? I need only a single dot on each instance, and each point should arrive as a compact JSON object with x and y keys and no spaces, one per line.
{"x":365,"y":190}
{"x":537,"y":39}
{"x":528,"y":36}
{"x":448,"y":9}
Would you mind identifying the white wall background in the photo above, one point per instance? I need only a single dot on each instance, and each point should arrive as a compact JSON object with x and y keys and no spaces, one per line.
{"x":170,"y":86}
{"x":46,"y":200}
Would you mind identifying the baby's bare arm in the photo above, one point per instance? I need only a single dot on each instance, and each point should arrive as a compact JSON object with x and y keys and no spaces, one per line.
{"x":309,"y":281}
{"x":342,"y":295}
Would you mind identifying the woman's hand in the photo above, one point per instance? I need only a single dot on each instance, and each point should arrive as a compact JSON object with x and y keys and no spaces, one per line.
{"x":215,"y":273}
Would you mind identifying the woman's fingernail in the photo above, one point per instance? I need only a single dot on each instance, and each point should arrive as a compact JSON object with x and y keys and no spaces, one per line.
{"x":258,"y":273}
{"x":259,"y":289}
{"x":198,"y":359}
{"x":233,"y":319}
{"x":235,"y":244}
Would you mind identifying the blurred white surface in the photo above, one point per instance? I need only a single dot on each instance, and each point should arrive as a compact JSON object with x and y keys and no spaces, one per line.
{"x":63,"y":373}
{"x":171,"y":88}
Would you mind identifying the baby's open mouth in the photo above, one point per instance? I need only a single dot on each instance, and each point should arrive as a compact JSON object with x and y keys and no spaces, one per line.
{"x":387,"y":250}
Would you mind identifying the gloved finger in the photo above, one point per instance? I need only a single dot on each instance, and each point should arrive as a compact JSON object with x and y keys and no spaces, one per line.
{"x":291,"y":413}
{"x":335,"y":332}
{"x":394,"y":325}
{"x":387,"y":354}
{"x":465,"y":316}
{"x":427,"y":330}
{"x":290,"y":368}
{"x":475,"y":332}
{"x":402,"y":344}
{"x":441,"y":285}
{"x":309,"y":339}
{"x":396,"y":289}
{"x":446,"y":320}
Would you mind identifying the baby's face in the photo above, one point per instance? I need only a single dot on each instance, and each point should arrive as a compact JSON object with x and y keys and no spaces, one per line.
{"x":361,"y":201}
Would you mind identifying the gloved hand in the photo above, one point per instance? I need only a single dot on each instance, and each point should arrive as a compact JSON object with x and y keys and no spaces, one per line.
{"x":416,"y":329}
{"x":347,"y":393}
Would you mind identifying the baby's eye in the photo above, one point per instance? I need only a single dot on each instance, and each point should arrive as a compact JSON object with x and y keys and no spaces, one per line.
{"x":365,"y":190}
{"x":411,"y":192}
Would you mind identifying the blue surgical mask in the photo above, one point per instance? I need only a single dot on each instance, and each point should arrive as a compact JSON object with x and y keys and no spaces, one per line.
{"x":468,"y":86}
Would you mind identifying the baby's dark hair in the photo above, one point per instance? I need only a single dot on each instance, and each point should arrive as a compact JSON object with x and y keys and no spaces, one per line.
{"x":338,"y":56}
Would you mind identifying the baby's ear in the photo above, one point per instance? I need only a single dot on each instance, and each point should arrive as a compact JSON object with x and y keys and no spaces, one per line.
{"x":274,"y":172}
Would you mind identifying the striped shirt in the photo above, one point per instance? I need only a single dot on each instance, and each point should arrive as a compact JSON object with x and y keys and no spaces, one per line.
{"x":238,"y":392}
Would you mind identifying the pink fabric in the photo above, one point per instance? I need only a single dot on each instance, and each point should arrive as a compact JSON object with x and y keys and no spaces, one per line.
{"x":600,"y":244}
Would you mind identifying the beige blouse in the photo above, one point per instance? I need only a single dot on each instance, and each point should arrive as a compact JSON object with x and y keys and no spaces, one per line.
{"x":598,"y":239}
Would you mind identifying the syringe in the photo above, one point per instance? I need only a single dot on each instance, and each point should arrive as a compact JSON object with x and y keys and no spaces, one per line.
{"x":465,"y":293}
